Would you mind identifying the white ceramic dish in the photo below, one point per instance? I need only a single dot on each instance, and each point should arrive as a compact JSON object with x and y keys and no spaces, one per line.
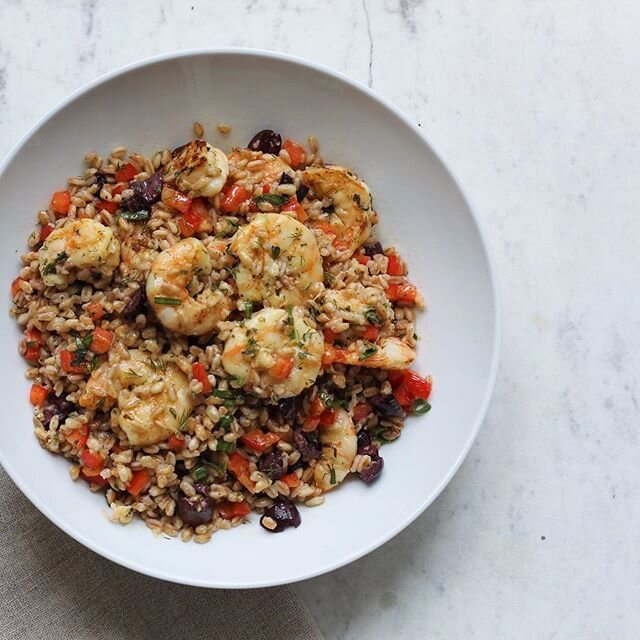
{"x":423,"y":212}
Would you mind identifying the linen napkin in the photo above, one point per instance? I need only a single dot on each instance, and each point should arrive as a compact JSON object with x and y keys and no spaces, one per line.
{"x":51,"y":587}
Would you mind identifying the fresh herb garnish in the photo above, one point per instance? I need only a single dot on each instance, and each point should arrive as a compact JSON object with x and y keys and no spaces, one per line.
{"x":251,"y":348}
{"x":226,"y":447}
{"x":275,"y":199}
{"x":51,"y":267}
{"x":134,"y":216}
{"x":172,"y":302}
{"x":332,"y":476}
{"x":226,"y":394}
{"x":329,"y":277}
{"x":275,"y":252}
{"x":229,"y":252}
{"x":420,"y":406}
{"x":293,"y":334}
{"x":371,"y":317}
{"x":158,"y":365}
{"x":226,"y":422}
{"x":368,"y":352}
{"x":82,"y":346}
{"x":199,"y":474}
{"x":332,"y":402}
{"x":248,"y":309}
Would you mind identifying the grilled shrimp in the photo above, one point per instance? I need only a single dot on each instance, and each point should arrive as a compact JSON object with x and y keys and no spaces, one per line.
{"x":153,"y":397}
{"x":357,"y":304}
{"x":349,"y":219}
{"x":198,"y":169}
{"x":279,"y":260}
{"x":244,"y":163}
{"x":137,"y":249}
{"x":78,"y":251}
{"x":173,"y":276}
{"x":275,"y":353}
{"x":339,"y":444}
{"x":386,"y":353}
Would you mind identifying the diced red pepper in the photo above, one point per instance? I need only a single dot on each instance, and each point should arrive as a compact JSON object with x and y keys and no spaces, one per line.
{"x":329,"y":336}
{"x":316,"y":407}
{"x":239,"y":467}
{"x":66,"y":361}
{"x":418,"y":386}
{"x":186,"y":228}
{"x":92,"y":462}
{"x":60,"y":202}
{"x":107,"y":205}
{"x":328,"y":418}
{"x":101,"y":341}
{"x":15,"y":287}
{"x":395,"y":377}
{"x":176,"y":200}
{"x":362,"y":258}
{"x":45,"y":232}
{"x":33,"y":340}
{"x":311,"y":423}
{"x":138,"y":482}
{"x":266,"y":188}
{"x":283,"y":367}
{"x":293,"y":205}
{"x":259,"y":441}
{"x":233,"y":197}
{"x":371,"y":333}
{"x":296,"y":152}
{"x":230,"y":510}
{"x":395,"y":266}
{"x":95,"y":310}
{"x":118,"y":189}
{"x":361,"y":411}
{"x":402,"y":292}
{"x":199,"y":372}
{"x":403,"y":397}
{"x":291,"y":480}
{"x":78,"y":437}
{"x":38,"y":395}
{"x":127,"y":172}
{"x":176,"y":443}
{"x":94,"y":479}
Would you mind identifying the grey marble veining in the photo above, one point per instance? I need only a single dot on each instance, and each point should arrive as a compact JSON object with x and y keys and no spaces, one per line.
{"x":537,"y":106}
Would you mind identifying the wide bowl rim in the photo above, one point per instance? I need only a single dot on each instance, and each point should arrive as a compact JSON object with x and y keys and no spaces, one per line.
{"x":495,"y":287}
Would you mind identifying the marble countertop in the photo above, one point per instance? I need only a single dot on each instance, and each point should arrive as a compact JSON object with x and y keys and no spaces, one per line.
{"x":537,"y":106}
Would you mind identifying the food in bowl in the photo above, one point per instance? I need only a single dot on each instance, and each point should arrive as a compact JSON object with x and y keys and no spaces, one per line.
{"x":210,"y":334}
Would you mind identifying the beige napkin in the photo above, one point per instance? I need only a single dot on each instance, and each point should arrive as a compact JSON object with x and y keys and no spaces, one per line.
{"x":52,"y":587}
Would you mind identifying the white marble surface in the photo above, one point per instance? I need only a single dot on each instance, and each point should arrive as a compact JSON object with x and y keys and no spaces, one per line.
{"x":537,"y":105}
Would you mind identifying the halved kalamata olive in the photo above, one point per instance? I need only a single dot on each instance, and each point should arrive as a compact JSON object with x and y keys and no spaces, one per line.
{"x":267,"y":141}
{"x":195,"y":510}
{"x":386,"y":406}
{"x":135,"y":305}
{"x":101,"y":180}
{"x":364,"y":439}
{"x":307,"y":443}
{"x":288,"y":408}
{"x":55,"y":406}
{"x":145,"y":193}
{"x":283,"y":513}
{"x":272,"y":465}
{"x":374,"y":249}
{"x":285,"y":178}
{"x":180,"y":468}
{"x":201,"y":488}
{"x":301,"y":193}
{"x":370,"y":473}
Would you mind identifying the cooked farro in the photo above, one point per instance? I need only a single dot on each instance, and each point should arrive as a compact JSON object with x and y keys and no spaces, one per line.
{"x":211,"y":334}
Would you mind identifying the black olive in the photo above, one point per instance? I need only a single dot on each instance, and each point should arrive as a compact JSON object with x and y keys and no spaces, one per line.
{"x":180,"y":468}
{"x":386,"y":406}
{"x":267,"y":141}
{"x":145,"y":193}
{"x":56,"y":407}
{"x":286,"y":178}
{"x":370,"y":473}
{"x":307,"y":443}
{"x":301,"y":193}
{"x":196,"y":510}
{"x":101,"y":179}
{"x":272,"y":465}
{"x":284,"y":514}
{"x":288,"y":409}
{"x":374,"y":249}
{"x":135,"y":305}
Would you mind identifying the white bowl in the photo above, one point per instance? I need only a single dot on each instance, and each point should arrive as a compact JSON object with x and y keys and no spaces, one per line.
{"x":423,"y":212}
